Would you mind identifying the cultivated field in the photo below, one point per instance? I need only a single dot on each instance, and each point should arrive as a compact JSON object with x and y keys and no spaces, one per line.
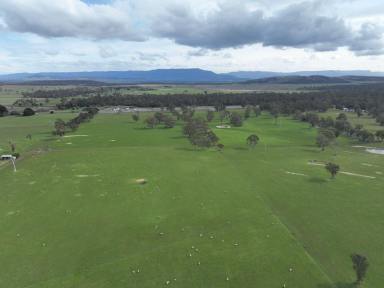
{"x":263,"y":217}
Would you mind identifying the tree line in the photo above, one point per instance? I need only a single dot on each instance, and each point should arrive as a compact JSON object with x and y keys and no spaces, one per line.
{"x":330,"y":129}
{"x":62,"y":127}
{"x":357,"y":97}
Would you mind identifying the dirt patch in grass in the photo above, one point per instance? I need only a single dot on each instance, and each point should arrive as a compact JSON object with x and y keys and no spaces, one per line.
{"x":296,"y":174}
{"x":375,"y":151}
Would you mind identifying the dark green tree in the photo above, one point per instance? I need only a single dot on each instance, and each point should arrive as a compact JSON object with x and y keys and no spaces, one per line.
{"x":360,"y":265}
{"x":210,"y":115}
{"x":60,"y":127}
{"x":247,"y":112}
{"x":236,"y":119}
{"x":135,"y":117}
{"x":151,"y":122}
{"x":220,"y":147}
{"x":3,"y":111}
{"x":28,"y":112}
{"x":257,"y":111}
{"x":342,"y":116}
{"x":359,"y":111}
{"x":380,"y":135}
{"x":325,"y":138}
{"x":380,"y":119}
{"x":312,"y":118}
{"x":168,"y":121}
{"x":332,"y":168}
{"x":252,"y":140}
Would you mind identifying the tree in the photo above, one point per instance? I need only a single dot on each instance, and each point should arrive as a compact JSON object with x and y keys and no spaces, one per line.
{"x":365,"y":136}
{"x":257,"y":111}
{"x":325,"y":138}
{"x":12,"y":146}
{"x":187,"y":113}
{"x":151,"y":122}
{"x":326,"y":122}
{"x":343,"y":126}
{"x":168,"y":121}
{"x":312,"y":118}
{"x":199,"y":134}
{"x":247,"y":112}
{"x":332,"y":168}
{"x":210,"y":115}
{"x":3,"y":111}
{"x":236,"y":119}
{"x":342,"y":116}
{"x":275,"y":112}
{"x":359,"y":111}
{"x":360,"y":265}
{"x":380,"y":135}
{"x":252,"y":140}
{"x":224,"y":114}
{"x":28,"y":112}
{"x":135,"y":117}
{"x":59,"y":127}
{"x":380,"y":119}
{"x":220,"y":147}
{"x":159,"y":117}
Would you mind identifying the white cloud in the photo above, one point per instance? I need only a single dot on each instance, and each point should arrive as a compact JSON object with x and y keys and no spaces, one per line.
{"x":68,"y":18}
{"x":221,"y":35}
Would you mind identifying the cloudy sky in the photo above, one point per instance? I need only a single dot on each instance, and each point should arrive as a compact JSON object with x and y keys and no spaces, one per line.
{"x":219,"y":35}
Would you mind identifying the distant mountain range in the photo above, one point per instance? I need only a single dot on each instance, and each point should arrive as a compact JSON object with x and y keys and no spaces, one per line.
{"x":189,"y":76}
{"x":152,"y":76}
{"x":327,"y":73}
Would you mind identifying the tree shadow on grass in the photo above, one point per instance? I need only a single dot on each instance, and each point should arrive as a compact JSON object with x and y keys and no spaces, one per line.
{"x":240,"y":148}
{"x":317,"y":180}
{"x":189,"y":149}
{"x":142,"y":128}
{"x":178,"y":137}
{"x":313,"y":150}
{"x":336,"y":285}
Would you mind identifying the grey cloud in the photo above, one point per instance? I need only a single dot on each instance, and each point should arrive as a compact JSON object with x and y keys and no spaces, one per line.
{"x":198,"y":53}
{"x":107,"y":52}
{"x":67,"y":18}
{"x":298,"y":25}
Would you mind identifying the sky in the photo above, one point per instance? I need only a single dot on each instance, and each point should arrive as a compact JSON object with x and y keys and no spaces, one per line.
{"x":217,"y":35}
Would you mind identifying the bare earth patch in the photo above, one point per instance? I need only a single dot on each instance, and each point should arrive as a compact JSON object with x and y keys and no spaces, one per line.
{"x":86,"y":176}
{"x":375,"y":151}
{"x":223,"y":127}
{"x":297,"y":174}
{"x":358,"y":175}
{"x":141,"y":181}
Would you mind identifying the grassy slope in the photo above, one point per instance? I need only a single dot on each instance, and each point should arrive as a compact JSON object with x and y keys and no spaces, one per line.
{"x":61,"y":229}
{"x":365,"y":120}
{"x":15,"y":129}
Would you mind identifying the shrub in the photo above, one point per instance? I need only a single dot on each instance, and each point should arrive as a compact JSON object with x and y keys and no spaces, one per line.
{"x":3,"y":111}
{"x":28,"y":112}
{"x":236,"y":119}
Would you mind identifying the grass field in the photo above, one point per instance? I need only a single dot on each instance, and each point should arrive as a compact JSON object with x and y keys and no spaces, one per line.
{"x":263,"y":217}
{"x":15,"y":130}
{"x":366,"y":120}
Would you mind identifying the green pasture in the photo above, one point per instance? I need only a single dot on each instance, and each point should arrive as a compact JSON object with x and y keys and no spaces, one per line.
{"x":263,"y":217}
{"x":15,"y":129}
{"x":366,"y":120}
